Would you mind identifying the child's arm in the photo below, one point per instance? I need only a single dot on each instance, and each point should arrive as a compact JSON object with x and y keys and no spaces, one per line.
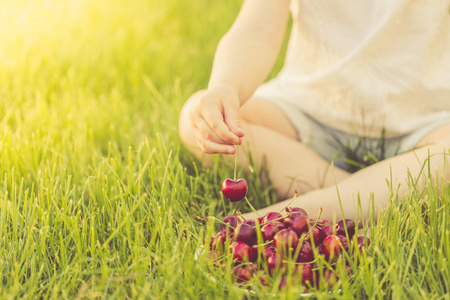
{"x":243,"y":59}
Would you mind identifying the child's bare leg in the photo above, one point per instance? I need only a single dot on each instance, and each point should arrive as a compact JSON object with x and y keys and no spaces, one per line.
{"x":372,"y":180}
{"x":272,"y":140}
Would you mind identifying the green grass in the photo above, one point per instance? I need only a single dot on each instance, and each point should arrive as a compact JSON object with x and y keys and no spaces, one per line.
{"x":95,"y":185}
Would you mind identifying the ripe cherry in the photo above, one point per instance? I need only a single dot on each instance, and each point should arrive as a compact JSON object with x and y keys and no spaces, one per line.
{"x":363,"y":242}
{"x":269,"y":230}
{"x":299,"y":210}
{"x":297,"y":222}
{"x":272,"y":216}
{"x":350,"y":224}
{"x":344,"y":242}
{"x":306,"y":253}
{"x":245,"y":233}
{"x":285,"y":241}
{"x":326,"y":231}
{"x":307,"y":273}
{"x":243,"y":273}
{"x":331,"y":246}
{"x":325,"y":222}
{"x":243,"y":252}
{"x":218,"y":240}
{"x":315,"y":233}
{"x":250,"y":222}
{"x":234,"y":191}
{"x":233,"y":222}
{"x":320,"y":250}
{"x":274,"y":263}
{"x":260,"y":220}
{"x":267,"y":252}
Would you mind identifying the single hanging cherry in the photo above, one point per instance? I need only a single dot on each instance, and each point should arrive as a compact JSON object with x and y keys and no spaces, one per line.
{"x":232,"y":189}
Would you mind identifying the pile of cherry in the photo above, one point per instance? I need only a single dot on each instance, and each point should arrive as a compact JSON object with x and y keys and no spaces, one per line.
{"x":273,"y":244}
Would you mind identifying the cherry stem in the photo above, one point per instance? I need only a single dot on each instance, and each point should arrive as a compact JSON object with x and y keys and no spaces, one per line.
{"x":235,"y":162}
{"x":292,"y":200}
{"x":251,"y":206}
{"x":238,"y":212}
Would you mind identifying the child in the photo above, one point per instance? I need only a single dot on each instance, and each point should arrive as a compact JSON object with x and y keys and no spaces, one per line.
{"x":356,"y":72}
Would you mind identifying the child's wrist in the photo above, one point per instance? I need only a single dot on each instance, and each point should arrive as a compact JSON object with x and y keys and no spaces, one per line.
{"x":224,"y":87}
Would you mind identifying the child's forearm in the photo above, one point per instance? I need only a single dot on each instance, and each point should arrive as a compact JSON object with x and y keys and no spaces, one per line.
{"x":242,"y":63}
{"x":247,"y":53}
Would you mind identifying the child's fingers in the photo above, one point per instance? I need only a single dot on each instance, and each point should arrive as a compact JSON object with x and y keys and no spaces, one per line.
{"x":210,"y":147}
{"x":215,"y":121}
{"x":232,"y":119}
{"x":208,"y":133}
{"x":211,"y":133}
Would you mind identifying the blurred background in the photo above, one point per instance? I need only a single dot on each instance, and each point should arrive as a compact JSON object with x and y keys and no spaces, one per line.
{"x":95,"y":184}
{"x":82,"y":80}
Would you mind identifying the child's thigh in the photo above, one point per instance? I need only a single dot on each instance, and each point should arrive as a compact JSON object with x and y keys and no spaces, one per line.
{"x":259,"y":111}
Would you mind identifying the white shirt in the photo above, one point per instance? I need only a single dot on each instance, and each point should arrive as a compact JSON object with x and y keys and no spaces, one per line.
{"x":361,"y":65}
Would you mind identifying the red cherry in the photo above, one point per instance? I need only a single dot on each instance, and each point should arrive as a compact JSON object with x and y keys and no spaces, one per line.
{"x":306,"y":253}
{"x":315,"y":233}
{"x":332,"y":246}
{"x":269,"y":230}
{"x":218,"y":240}
{"x":350,"y":224}
{"x":363,"y":242}
{"x":299,"y":210}
{"x":307,"y":274}
{"x":326,"y":231}
{"x":234,"y":191}
{"x":260,"y":220}
{"x":274,"y":262}
{"x":266,"y":252}
{"x":272,"y":216}
{"x":269,"y":250}
{"x":344,"y":242}
{"x":285,"y":241}
{"x":325,"y":222}
{"x":243,"y":273}
{"x":233,"y":222}
{"x":297,"y":222}
{"x":320,"y":250}
{"x":245,"y":233}
{"x":250,"y":222}
{"x":243,"y":252}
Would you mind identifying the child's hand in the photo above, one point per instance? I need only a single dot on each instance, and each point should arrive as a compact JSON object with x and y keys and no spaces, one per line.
{"x":215,"y":118}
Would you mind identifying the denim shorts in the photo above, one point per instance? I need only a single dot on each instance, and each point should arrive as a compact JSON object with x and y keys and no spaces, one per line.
{"x":350,"y":151}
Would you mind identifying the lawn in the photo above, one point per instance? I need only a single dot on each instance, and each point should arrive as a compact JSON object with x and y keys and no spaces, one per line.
{"x":95,"y":184}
